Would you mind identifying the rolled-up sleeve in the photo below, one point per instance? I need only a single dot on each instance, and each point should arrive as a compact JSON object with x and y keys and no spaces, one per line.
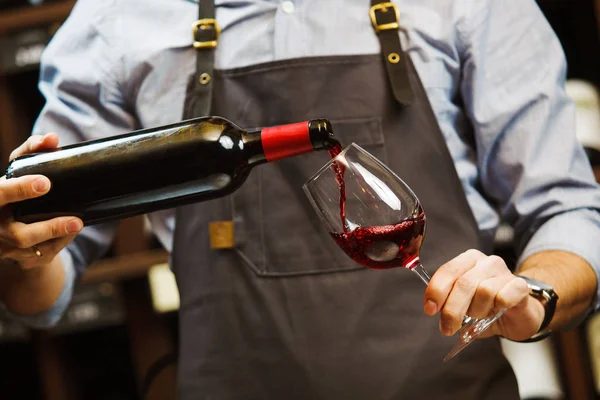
{"x":532,"y":167}
{"x":80,"y":79}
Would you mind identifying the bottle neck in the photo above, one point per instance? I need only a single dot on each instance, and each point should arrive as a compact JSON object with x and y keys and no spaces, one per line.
{"x":284,"y":141}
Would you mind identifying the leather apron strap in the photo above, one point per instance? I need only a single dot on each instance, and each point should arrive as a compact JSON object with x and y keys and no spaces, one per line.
{"x":385,"y":19}
{"x":206,"y":32}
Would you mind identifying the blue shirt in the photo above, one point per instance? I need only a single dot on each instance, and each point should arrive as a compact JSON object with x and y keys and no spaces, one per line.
{"x":497,"y":66}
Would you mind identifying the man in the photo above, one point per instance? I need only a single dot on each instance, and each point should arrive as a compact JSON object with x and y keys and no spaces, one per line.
{"x":465,"y":101}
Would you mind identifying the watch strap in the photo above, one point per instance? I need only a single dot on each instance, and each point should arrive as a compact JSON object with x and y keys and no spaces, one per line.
{"x":548,"y":298}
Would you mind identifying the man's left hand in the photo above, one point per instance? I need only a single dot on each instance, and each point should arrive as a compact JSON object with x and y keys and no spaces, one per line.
{"x":478,"y":285}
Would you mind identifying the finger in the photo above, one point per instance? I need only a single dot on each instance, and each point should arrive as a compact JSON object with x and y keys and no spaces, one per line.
{"x":26,"y":146}
{"x":512,"y":294}
{"x":483,"y":301}
{"x":462,"y":294}
{"x":23,"y":188}
{"x":28,"y":259}
{"x":442,"y":281}
{"x":24,"y":236}
{"x":36,"y":143}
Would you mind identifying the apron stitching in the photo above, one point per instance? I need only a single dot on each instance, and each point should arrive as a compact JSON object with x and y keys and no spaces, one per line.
{"x":263,"y":266}
{"x":248,"y":262}
{"x":300,"y":63}
{"x":232,"y":212}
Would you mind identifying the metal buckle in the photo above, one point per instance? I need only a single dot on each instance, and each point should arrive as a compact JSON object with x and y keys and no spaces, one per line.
{"x":383,"y":7}
{"x":204,"y":24}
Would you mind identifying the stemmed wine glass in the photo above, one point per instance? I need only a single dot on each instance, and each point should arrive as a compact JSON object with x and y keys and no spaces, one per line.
{"x":377,"y":220}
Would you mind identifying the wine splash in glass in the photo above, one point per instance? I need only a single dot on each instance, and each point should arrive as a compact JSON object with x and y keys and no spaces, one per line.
{"x":377,"y":220}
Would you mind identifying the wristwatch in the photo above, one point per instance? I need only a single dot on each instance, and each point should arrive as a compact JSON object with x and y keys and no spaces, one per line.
{"x":548,"y":297}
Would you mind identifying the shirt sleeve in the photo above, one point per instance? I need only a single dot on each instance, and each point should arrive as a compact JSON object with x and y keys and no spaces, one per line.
{"x":51,"y":316}
{"x":80,"y":79}
{"x":532,"y":167}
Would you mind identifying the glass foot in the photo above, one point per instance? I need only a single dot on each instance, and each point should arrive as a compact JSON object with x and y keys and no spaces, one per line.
{"x":470,"y":330}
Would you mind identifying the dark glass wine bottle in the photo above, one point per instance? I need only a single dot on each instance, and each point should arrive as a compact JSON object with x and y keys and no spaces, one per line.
{"x":159,"y":168}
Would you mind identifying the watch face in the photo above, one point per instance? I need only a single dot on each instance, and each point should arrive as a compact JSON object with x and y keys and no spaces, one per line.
{"x":539,"y":286}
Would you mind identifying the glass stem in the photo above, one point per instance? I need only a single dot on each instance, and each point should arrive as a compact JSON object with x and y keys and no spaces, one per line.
{"x":421,"y":273}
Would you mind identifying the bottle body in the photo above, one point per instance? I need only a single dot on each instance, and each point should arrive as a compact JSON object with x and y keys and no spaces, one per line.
{"x":155,"y":169}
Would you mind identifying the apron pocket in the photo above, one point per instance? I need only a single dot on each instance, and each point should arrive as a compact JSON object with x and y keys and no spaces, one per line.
{"x":280,"y":233}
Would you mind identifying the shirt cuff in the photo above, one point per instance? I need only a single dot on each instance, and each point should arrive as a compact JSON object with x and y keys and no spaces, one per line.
{"x":51,"y":316}
{"x":575,"y":232}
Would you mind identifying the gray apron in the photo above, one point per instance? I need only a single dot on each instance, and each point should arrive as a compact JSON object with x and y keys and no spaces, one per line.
{"x":284,"y":313}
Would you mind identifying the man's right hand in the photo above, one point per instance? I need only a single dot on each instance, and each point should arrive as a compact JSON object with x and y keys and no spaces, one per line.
{"x":36,"y":244}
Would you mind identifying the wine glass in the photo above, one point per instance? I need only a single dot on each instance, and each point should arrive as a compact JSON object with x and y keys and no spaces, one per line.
{"x":377,"y":220}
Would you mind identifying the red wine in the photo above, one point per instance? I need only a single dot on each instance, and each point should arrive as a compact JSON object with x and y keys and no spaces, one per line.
{"x":384,"y":247}
{"x":378,"y":247}
{"x":153,"y":169}
{"x":338,"y":169}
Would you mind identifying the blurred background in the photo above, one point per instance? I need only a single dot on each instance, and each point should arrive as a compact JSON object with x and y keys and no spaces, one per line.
{"x":117,"y":339}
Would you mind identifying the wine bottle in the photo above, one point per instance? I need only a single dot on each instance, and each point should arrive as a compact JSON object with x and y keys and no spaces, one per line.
{"x":152,"y":169}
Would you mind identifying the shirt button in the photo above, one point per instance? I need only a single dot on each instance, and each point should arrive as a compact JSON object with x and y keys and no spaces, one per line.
{"x":288,"y":7}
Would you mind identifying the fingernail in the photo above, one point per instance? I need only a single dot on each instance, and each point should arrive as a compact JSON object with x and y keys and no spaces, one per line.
{"x":74,"y":226}
{"x":430,"y":307}
{"x":41,"y":185}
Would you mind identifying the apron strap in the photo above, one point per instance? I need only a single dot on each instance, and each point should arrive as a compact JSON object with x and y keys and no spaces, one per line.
{"x":206,"y":34}
{"x":385,"y":16}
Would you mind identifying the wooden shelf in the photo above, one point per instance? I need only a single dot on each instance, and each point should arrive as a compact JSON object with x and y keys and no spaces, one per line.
{"x":575,"y":370}
{"x":35,"y":15}
{"x":124,"y":267}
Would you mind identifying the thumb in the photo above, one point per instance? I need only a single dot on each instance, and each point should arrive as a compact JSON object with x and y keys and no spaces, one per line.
{"x":36,"y":143}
